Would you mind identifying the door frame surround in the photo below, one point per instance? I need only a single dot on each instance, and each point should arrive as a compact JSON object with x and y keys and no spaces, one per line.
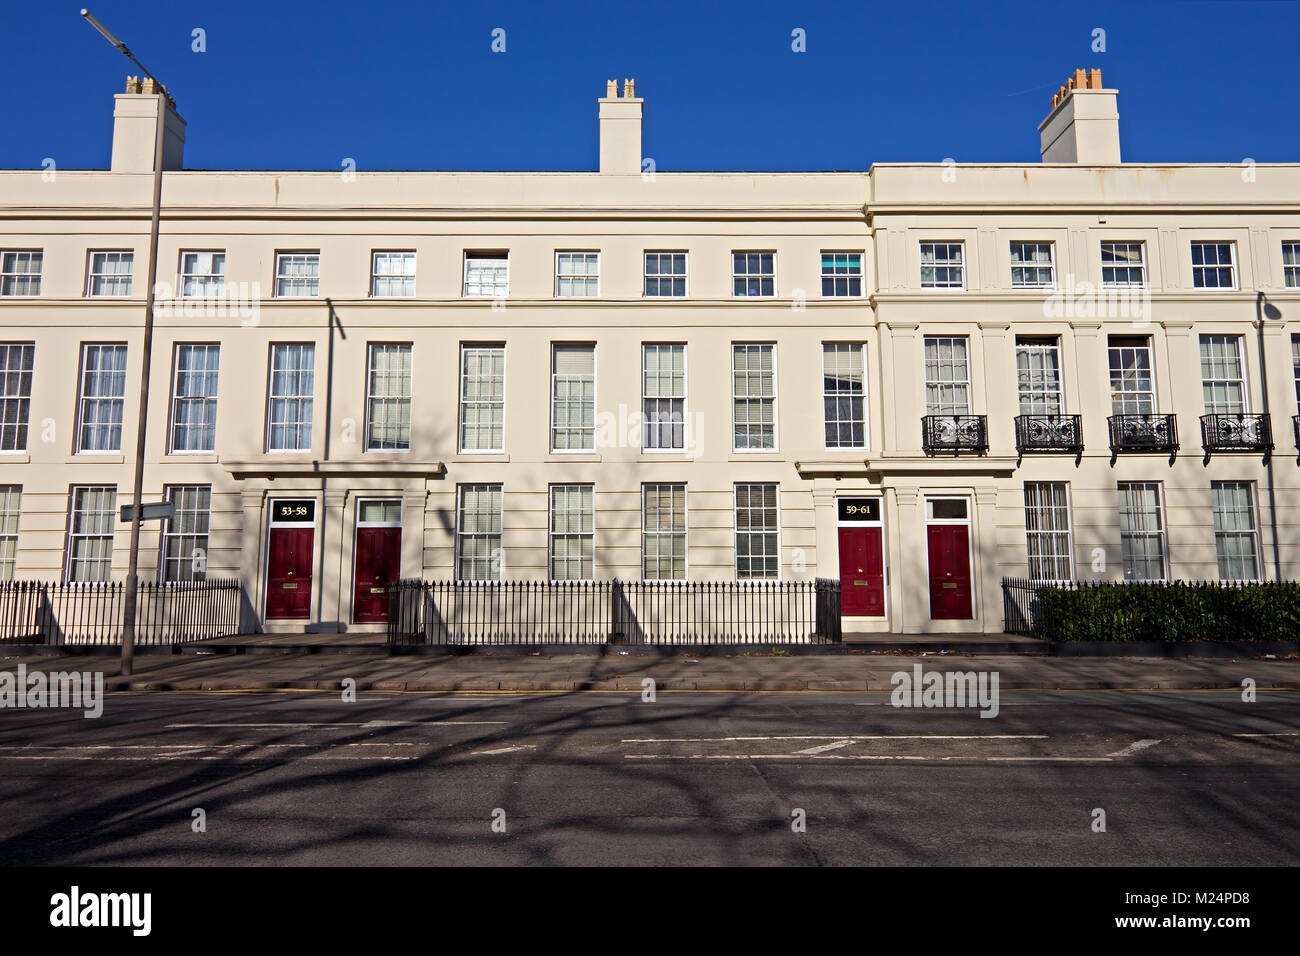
{"x":271,"y":522}
{"x":879,"y":497}
{"x":927,"y":498}
{"x":357,"y":525}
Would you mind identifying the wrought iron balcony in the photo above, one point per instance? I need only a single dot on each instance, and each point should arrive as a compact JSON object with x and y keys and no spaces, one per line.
{"x":1239,"y":432}
{"x":1048,"y":433}
{"x":954,"y":433}
{"x":1295,"y":424}
{"x":1158,"y":433}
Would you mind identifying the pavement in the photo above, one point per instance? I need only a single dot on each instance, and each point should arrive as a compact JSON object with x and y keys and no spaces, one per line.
{"x":1093,"y":778}
{"x":527,"y":673}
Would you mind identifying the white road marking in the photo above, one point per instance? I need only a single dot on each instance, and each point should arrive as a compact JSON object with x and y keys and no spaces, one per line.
{"x":368,"y":723}
{"x":822,"y":748}
{"x":504,"y":750}
{"x":1084,"y":759}
{"x":1134,"y":748}
{"x":774,"y":757}
{"x":1285,"y":734}
{"x":698,"y":740}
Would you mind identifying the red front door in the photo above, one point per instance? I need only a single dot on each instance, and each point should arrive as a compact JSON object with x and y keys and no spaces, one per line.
{"x":288,"y":576}
{"x":378,"y":562}
{"x":862,"y":572}
{"x":950,"y":590}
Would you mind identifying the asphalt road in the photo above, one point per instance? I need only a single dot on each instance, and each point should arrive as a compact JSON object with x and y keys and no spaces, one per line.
{"x":692,"y":778}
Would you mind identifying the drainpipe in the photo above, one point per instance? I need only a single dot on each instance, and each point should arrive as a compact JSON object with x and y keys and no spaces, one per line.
{"x":1262,"y":310}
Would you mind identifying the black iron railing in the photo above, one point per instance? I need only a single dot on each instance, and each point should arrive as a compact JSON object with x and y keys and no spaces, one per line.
{"x":1157,"y":433}
{"x":954,"y":433}
{"x":1049,"y":433}
{"x":40,"y":612}
{"x":1237,"y":432}
{"x":614,"y":612}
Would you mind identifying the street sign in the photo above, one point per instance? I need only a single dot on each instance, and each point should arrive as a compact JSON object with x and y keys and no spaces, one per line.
{"x":149,"y":511}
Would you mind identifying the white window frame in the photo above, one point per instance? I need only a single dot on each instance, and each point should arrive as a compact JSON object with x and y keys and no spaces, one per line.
{"x":11,"y":511}
{"x":1025,"y":266}
{"x":16,"y":395}
{"x":834,"y":277}
{"x":123,"y":255}
{"x":556,"y":379}
{"x":760,"y":399}
{"x":289,"y":256}
{"x":407,"y":255}
{"x":184,"y":275}
{"x":1026,"y":389}
{"x":298,"y":424}
{"x":11,"y":275}
{"x":653,"y":426}
{"x":1044,"y":529}
{"x":671,"y":534}
{"x":1117,"y":246}
{"x":949,"y":263}
{"x":198,"y":540}
{"x":837,"y":396}
{"x":552,"y":534}
{"x":1222,"y":534}
{"x":588,"y":255}
{"x":496,"y":558}
{"x":748,"y":276}
{"x":485,"y":255}
{"x":1111,"y":372}
{"x":938,"y":408}
{"x":672,"y":276}
{"x":1291,"y":270}
{"x":1231,"y":265}
{"x":202,"y":400}
{"x":83,"y":400}
{"x":736,"y":532}
{"x":1224,"y":383}
{"x":462,"y":402}
{"x":1160,"y":533}
{"x":73,"y":536}
{"x":392,"y":401}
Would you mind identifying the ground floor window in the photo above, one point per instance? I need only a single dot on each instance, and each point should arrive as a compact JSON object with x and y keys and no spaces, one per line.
{"x":90,"y":532}
{"x":1047,"y":531}
{"x":478,"y":533}
{"x":663,"y":534}
{"x":573,"y":533}
{"x":185,"y":534}
{"x":758,"y":554}
{"x":1142,"y":531}
{"x":1236,"y":540}
{"x":11,"y":497}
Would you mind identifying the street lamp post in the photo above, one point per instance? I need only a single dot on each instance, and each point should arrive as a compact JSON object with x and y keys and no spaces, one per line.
{"x":133,"y":565}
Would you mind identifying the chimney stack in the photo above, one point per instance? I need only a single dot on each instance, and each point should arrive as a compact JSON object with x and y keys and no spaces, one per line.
{"x":620,"y":129}
{"x":1083,"y":126}
{"x":135,"y":126}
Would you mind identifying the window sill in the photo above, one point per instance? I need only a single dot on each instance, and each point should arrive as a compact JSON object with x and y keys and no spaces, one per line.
{"x":764,"y":455}
{"x":469,"y":456}
{"x":95,"y":458}
{"x":583,"y":456}
{"x":198,"y":457}
{"x":14,"y":458}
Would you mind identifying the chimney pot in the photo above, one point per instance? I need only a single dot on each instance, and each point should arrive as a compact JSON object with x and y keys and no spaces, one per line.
{"x":611,"y":89}
{"x":1094,"y":79}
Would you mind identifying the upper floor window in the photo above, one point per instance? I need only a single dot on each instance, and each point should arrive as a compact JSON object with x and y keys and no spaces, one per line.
{"x":482,"y":397}
{"x":843,"y":395}
{"x":20,"y":272}
{"x":15,"y":394}
{"x":1132,"y":383}
{"x":1032,"y":266}
{"x":487,"y":275}
{"x":388,"y":397}
{"x":297,"y":275}
{"x":1123,"y":263}
{"x":1223,"y":382}
{"x":289,"y":414}
{"x":942,"y":265}
{"x":577,"y":274}
{"x":841,"y":274}
{"x":1290,"y":265}
{"x":203,"y":274}
{"x":665,"y":274}
{"x":103,"y":393}
{"x":110,"y":273}
{"x":947,"y":376}
{"x":1038,"y":376}
{"x":1214,"y":265}
{"x":194,"y":398}
{"x":753,"y":274}
{"x":392,"y":274}
{"x":573,"y":398}
{"x":753,"y":393}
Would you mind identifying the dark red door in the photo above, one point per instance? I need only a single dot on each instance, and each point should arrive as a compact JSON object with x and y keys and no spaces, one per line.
{"x":950,"y":591}
{"x":288,"y":575}
{"x":862,"y":572}
{"x":378,"y":562}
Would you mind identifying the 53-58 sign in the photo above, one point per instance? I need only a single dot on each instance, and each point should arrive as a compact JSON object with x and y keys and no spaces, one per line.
{"x":283,"y":511}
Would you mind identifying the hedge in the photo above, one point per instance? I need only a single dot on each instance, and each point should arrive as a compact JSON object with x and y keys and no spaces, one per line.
{"x":1179,"y":611}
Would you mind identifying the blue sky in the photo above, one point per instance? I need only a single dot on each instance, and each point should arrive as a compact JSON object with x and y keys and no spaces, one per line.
{"x":295,"y":85}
